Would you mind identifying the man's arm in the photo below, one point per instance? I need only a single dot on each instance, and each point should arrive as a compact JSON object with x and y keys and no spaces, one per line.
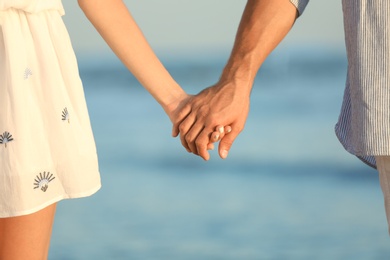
{"x":263,"y":25}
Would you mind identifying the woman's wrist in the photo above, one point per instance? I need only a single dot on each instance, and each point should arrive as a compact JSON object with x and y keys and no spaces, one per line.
{"x":173,"y":100}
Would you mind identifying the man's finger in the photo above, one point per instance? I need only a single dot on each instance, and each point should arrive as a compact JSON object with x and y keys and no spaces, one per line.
{"x":181,"y":116}
{"x":192,"y":135}
{"x":202,"y":142}
{"x":184,"y":127}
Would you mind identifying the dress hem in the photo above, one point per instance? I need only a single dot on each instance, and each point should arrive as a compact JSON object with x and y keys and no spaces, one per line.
{"x":55,"y":200}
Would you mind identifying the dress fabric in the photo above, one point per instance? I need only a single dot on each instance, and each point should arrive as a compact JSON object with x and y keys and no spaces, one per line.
{"x":47,"y":149}
{"x":363,"y":127}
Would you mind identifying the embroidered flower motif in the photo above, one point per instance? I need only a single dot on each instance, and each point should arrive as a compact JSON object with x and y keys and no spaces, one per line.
{"x":42,"y":181}
{"x":5,"y":138}
{"x":27,"y":73}
{"x":65,"y":115}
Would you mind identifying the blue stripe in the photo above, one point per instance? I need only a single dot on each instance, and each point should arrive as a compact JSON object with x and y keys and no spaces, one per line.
{"x":363,"y":127}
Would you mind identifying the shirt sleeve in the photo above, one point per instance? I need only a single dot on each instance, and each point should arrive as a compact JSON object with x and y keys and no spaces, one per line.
{"x":300,"y":5}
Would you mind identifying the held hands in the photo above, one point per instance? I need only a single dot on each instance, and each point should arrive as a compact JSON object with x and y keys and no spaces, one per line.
{"x":200,"y":119}
{"x":174,"y":112}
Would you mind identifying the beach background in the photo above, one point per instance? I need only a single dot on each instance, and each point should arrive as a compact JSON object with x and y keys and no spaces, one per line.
{"x":288,"y":189}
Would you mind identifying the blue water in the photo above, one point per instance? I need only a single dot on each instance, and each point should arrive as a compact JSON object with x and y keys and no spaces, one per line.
{"x":287,"y":191}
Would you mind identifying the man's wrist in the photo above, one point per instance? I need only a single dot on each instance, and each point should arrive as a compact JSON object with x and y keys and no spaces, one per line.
{"x":240,"y":77}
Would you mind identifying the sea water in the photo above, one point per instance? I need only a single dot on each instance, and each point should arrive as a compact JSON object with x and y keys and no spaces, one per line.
{"x":288,"y":190}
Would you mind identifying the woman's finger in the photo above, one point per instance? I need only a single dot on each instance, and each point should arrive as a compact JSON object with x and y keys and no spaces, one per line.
{"x":228,"y":129}
{"x":210,"y":146}
{"x":218,"y":134}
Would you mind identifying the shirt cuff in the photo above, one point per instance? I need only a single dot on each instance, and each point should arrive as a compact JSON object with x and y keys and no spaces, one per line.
{"x":300,"y":5}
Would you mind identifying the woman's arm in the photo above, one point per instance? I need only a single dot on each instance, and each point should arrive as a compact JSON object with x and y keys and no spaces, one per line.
{"x":115,"y":24}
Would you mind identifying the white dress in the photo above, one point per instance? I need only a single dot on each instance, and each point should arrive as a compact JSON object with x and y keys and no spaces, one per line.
{"x":47,"y":149}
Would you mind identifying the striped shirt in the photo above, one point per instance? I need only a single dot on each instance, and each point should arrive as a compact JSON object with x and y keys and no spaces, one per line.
{"x":363,"y":127}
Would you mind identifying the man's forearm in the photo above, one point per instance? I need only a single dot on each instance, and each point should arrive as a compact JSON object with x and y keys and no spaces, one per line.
{"x":263,"y":25}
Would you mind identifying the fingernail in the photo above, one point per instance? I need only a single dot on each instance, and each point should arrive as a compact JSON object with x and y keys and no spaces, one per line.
{"x":229,"y":130}
{"x":216,"y":137}
{"x":224,"y":154}
{"x":220,"y":129}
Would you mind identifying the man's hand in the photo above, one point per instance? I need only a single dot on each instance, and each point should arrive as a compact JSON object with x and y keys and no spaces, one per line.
{"x":175,"y":112}
{"x":222,"y":104}
{"x":263,"y":25}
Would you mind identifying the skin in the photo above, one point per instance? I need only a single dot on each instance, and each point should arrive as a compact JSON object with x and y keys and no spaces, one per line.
{"x":27,"y":237}
{"x":117,"y":27}
{"x":115,"y":24}
{"x":263,"y":25}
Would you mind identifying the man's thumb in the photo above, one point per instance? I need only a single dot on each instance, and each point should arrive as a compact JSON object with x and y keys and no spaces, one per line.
{"x":225,"y":144}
